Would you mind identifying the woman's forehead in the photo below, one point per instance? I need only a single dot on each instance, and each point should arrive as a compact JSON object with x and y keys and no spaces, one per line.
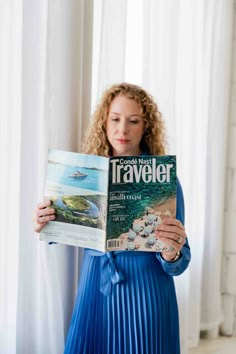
{"x":122,"y":103}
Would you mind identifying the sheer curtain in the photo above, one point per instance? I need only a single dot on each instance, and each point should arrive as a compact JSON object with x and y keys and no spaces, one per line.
{"x":10,"y":122}
{"x":182,"y":56}
{"x":188,"y":67}
{"x":45,"y":69}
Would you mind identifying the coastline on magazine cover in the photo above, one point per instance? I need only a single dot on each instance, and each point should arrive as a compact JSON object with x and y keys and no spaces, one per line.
{"x":76,"y":184}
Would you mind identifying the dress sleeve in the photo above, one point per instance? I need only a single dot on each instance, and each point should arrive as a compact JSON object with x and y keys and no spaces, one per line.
{"x":179,"y":266}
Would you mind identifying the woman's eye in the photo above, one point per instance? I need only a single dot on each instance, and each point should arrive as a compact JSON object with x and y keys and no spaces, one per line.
{"x":114,"y":119}
{"x":134,"y":121}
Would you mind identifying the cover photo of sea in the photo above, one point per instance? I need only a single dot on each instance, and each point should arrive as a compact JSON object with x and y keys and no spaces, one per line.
{"x":94,"y":180}
{"x":77,"y":185}
{"x":78,"y":170}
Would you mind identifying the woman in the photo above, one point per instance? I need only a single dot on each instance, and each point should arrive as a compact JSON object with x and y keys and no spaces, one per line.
{"x":126,"y":301}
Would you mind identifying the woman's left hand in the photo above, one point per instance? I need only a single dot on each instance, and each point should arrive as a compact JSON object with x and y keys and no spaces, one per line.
{"x":172,"y":233}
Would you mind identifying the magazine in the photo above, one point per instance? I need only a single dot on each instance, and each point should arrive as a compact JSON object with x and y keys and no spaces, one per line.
{"x":109,"y":204}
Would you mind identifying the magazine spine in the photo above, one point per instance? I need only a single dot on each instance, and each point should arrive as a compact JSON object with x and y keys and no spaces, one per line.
{"x":108,"y":191}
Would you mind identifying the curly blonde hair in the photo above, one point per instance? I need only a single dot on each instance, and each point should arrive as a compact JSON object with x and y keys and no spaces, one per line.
{"x":153,"y":140}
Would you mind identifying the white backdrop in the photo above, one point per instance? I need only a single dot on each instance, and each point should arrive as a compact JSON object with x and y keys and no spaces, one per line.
{"x":10,"y":121}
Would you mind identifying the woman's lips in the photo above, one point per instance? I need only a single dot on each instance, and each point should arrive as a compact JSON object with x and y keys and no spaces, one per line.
{"x":122,"y":141}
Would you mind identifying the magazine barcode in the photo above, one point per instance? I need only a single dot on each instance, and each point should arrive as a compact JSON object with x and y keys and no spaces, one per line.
{"x":113,"y":243}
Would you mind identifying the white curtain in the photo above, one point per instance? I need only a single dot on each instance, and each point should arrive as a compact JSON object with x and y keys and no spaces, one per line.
{"x":10,"y":120}
{"x":184,"y":61}
{"x":45,"y":70}
{"x":188,"y":69}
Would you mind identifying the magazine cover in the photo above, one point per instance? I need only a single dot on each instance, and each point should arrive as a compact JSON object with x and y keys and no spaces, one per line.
{"x":109,"y":203}
{"x":142,"y":190}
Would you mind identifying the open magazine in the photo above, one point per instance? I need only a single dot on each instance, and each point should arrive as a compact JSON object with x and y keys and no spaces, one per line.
{"x":109,"y":204}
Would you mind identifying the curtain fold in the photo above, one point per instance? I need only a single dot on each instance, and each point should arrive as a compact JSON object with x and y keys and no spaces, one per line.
{"x":47,"y":53}
{"x":218,"y":95}
{"x":10,"y":139}
{"x":109,"y":48}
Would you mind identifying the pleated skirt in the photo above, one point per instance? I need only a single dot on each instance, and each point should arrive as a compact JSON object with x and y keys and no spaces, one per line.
{"x":140,"y":316}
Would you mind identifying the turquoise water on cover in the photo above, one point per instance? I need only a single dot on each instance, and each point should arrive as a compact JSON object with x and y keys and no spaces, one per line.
{"x":96,"y":180}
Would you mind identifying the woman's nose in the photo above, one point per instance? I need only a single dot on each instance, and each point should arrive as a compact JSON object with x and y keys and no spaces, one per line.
{"x":123,"y":127}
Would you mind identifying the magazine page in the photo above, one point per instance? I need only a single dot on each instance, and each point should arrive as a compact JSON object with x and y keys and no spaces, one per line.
{"x":77,"y":186}
{"x":142,"y":191}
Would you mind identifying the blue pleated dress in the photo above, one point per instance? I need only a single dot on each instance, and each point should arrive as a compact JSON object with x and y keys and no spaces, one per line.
{"x":126,"y":302}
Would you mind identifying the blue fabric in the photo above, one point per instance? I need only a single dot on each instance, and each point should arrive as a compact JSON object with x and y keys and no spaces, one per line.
{"x":126,"y":302}
{"x":111,"y":274}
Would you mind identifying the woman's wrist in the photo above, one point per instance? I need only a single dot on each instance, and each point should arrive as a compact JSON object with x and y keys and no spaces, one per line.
{"x":171,"y":257}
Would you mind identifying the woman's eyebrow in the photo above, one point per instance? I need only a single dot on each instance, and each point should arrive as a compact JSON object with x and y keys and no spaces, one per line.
{"x":114,"y":113}
{"x":130,"y":115}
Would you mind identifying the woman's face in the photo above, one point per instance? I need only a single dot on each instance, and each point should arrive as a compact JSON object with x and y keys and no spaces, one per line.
{"x":124,"y":127}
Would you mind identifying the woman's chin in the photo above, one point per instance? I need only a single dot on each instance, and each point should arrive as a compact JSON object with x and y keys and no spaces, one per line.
{"x":126,"y":152}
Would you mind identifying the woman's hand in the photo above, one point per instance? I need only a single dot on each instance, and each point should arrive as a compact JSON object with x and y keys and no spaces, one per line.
{"x":42,"y":215}
{"x":172,"y":233}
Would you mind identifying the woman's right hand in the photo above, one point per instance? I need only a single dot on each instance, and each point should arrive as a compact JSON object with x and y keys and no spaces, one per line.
{"x":42,"y":215}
